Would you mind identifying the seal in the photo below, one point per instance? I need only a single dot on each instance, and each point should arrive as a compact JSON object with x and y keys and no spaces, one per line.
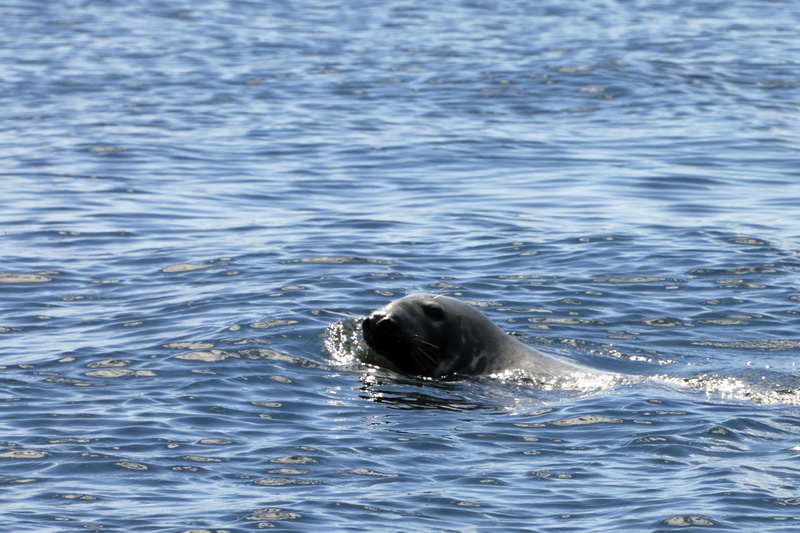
{"x":438,"y":336}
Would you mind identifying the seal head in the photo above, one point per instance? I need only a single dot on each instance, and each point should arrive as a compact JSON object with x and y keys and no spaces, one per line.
{"x":437,"y":336}
{"x":427,"y":335}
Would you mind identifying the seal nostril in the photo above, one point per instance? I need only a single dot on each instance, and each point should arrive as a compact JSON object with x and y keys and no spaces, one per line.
{"x":378,"y":323}
{"x":384,"y":324}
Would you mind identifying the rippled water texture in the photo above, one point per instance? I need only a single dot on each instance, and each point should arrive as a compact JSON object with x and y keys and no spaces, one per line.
{"x":201,"y":200}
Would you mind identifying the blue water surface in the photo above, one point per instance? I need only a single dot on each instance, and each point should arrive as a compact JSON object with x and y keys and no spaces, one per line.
{"x":201,"y":200}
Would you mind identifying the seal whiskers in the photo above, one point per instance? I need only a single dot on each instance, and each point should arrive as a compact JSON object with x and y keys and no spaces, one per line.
{"x":418,"y":348}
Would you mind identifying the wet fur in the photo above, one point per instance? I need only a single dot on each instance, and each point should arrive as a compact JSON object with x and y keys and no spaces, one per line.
{"x":438,"y":336}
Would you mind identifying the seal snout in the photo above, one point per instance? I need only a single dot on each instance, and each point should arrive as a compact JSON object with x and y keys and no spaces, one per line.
{"x":378,"y":323}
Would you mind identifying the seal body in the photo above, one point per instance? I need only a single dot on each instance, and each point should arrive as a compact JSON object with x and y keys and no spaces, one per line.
{"x":437,"y":336}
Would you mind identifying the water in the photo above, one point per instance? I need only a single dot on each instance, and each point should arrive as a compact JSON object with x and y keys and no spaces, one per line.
{"x":200,"y":199}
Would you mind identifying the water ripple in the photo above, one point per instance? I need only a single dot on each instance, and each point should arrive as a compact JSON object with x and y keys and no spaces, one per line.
{"x":202,"y":200}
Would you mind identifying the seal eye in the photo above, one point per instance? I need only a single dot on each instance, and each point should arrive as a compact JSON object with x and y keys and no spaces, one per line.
{"x":434,"y":312}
